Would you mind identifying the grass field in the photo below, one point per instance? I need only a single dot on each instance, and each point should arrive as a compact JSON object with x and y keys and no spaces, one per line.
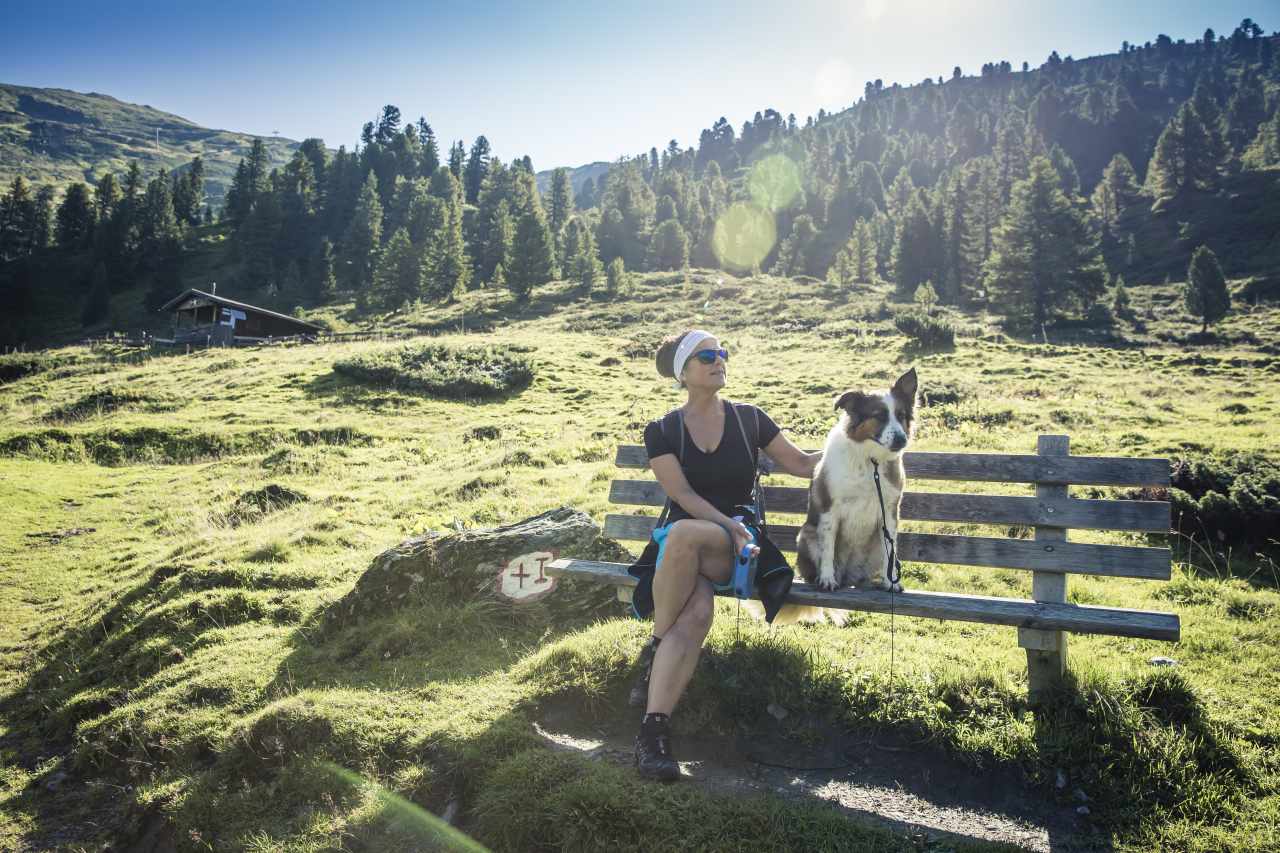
{"x":167,"y":680}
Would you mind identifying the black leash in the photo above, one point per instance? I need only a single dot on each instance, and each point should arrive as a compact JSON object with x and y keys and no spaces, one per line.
{"x":893,"y":571}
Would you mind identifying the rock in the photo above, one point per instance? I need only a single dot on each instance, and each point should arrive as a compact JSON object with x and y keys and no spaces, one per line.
{"x":1061,"y":780}
{"x":778,"y":712}
{"x":55,"y":780}
{"x":1080,"y":795}
{"x":1162,"y":661}
{"x":503,"y":564}
{"x":1082,"y":810}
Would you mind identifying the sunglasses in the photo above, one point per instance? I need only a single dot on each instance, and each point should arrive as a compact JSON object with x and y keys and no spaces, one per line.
{"x":708,"y":356}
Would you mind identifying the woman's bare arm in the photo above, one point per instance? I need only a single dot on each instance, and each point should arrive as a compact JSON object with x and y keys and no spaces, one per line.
{"x":792,"y":459}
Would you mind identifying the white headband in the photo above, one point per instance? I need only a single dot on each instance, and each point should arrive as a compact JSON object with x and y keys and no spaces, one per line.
{"x":685,"y":350}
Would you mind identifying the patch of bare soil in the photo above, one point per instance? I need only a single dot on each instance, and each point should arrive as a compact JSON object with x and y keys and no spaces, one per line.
{"x":915,"y":790}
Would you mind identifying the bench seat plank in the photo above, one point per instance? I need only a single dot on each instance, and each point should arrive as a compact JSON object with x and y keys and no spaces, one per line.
{"x":1151,"y":516}
{"x":1124,"y":561}
{"x":1002,"y":468}
{"x":1076,"y":618}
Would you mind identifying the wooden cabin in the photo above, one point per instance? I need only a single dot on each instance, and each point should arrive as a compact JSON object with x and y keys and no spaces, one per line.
{"x":212,"y":320}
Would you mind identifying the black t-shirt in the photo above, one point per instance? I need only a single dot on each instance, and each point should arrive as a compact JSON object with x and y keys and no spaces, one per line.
{"x":725,"y":476}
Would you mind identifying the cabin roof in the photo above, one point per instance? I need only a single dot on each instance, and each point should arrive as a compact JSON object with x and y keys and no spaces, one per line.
{"x":231,"y":303}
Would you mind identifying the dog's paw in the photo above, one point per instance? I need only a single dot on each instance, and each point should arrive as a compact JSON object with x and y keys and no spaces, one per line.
{"x":827,"y":582}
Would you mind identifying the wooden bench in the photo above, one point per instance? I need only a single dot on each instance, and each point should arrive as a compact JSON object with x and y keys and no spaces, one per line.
{"x":1043,"y":622}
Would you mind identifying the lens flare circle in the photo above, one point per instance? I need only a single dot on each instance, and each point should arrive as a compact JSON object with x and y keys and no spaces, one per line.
{"x":744,"y":235}
{"x":774,"y":182}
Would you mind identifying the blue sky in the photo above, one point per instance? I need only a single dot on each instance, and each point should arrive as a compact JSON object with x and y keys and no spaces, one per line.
{"x":565,"y":82}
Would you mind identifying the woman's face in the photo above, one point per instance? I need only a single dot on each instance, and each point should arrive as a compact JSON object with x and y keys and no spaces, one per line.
{"x":698,"y":375}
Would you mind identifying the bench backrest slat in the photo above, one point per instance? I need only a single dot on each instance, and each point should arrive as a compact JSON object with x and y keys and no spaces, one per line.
{"x":1150,"y":516}
{"x":1070,"y":557}
{"x":1002,"y":468}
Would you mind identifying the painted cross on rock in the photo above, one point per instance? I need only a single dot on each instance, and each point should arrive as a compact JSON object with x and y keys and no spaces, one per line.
{"x":525,"y":577}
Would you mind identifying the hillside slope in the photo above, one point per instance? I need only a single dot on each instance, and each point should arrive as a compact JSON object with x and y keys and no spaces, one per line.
{"x":58,"y":136}
{"x":176,"y":672}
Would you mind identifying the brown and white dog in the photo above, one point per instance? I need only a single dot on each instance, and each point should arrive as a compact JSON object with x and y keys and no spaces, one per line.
{"x":841,"y":543}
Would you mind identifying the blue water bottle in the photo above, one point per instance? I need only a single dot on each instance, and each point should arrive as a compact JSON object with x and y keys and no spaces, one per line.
{"x":744,"y":567}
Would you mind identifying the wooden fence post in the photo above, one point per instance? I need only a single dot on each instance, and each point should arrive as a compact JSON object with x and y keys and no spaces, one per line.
{"x":1047,"y":650}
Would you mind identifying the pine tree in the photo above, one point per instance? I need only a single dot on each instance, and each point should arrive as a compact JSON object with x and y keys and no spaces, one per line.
{"x":560,"y":209}
{"x":75,"y":218}
{"x":1116,"y":191}
{"x":1066,"y":169}
{"x":183,"y":203}
{"x":985,"y":210}
{"x":582,"y":259}
{"x":669,"y":249}
{"x":364,"y":237}
{"x":429,"y":150}
{"x":1010,"y":154}
{"x":1183,"y":157}
{"x":257,"y":239}
{"x":502,"y":236}
{"x":235,"y":209}
{"x":398,"y":277}
{"x":1120,"y":304}
{"x":1206,"y":294}
{"x":448,"y":266}
{"x":457,"y":159}
{"x":1245,"y":111}
{"x":863,"y":251}
{"x":627,"y":208}
{"x":42,"y":219}
{"x":916,"y":250}
{"x":616,"y":281}
{"x":106,"y":195}
{"x":1265,"y":149}
{"x":477,"y":168}
{"x":17,"y":220}
{"x":1206,"y":107}
{"x":793,"y":254}
{"x":533,"y":251}
{"x":842,"y":272}
{"x":1045,"y":257}
{"x":157,"y":224}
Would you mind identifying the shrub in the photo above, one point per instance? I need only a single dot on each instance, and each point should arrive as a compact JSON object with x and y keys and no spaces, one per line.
{"x":1233,"y":499}
{"x":925,"y":330}
{"x":19,"y":364}
{"x":441,"y":371}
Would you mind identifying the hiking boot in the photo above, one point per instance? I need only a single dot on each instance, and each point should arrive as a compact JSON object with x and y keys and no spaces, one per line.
{"x":653,"y":749}
{"x":640,"y":689}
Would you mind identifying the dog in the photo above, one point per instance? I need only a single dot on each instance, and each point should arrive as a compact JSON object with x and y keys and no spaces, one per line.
{"x":841,"y":543}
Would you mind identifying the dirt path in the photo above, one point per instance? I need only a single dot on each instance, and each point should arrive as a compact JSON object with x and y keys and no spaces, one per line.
{"x":913,"y":790}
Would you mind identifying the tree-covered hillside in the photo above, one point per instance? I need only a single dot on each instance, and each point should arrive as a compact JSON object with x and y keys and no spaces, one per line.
{"x":1033,"y":193}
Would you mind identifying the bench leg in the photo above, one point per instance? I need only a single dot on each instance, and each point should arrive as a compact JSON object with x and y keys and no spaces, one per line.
{"x":1047,"y":650}
{"x":1046,"y":661}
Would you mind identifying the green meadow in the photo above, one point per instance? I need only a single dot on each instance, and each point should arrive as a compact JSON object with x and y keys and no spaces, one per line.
{"x":169,"y":679}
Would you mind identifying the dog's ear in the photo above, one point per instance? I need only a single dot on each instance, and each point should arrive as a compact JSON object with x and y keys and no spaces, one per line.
{"x":907,"y":385}
{"x":847,"y":400}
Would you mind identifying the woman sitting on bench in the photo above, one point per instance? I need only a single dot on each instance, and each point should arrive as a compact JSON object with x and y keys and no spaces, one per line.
{"x":704,"y":454}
